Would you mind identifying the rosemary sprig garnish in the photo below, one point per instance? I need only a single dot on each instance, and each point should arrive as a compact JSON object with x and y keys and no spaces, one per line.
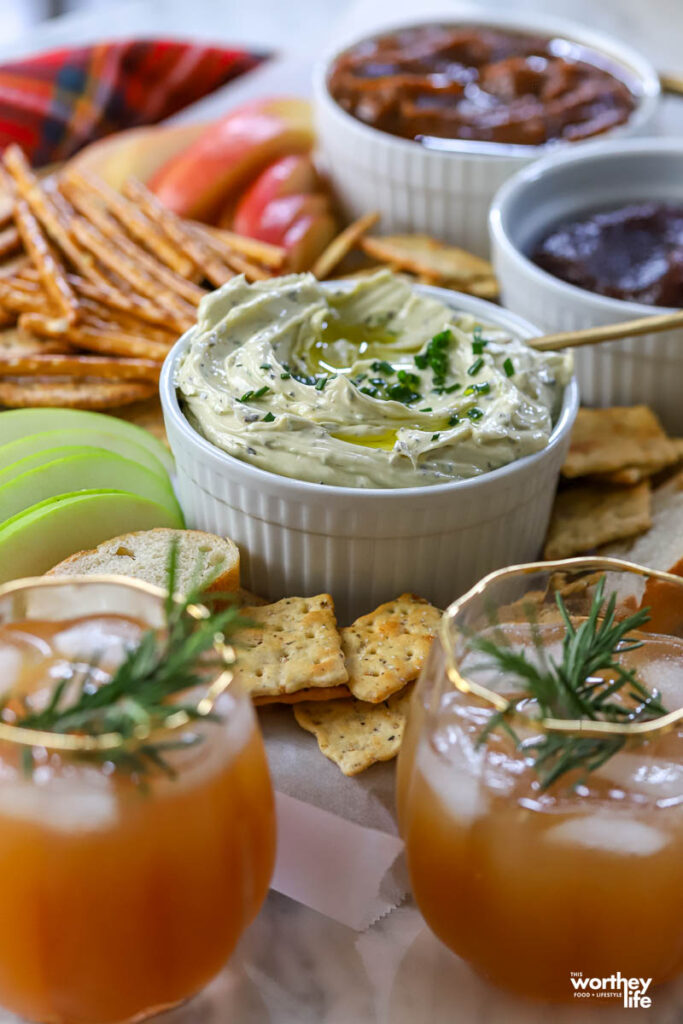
{"x":572,"y":688}
{"x":138,"y":698}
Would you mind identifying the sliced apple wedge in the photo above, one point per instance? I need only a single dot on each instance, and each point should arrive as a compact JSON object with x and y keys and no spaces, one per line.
{"x":198,"y":181}
{"x":278,"y":216}
{"x":19,"y":423}
{"x":306,"y":238}
{"x":291,"y":175}
{"x":36,"y":539}
{"x":46,"y":440}
{"x":72,"y":470}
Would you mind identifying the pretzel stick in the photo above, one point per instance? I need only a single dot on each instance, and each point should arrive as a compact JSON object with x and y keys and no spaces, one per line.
{"x":22,"y":284}
{"x":10,"y":241}
{"x":182,"y":312}
{"x":17,"y":265}
{"x":80,"y":366}
{"x":18,"y":301}
{"x":213,"y":269}
{"x":45,"y":211}
{"x":109,"y":227}
{"x":235,"y":261}
{"x":95,"y":311}
{"x":96,"y":337}
{"x":138,"y":226}
{"x":124,"y":302}
{"x":52,"y":273}
{"x":263,"y":252}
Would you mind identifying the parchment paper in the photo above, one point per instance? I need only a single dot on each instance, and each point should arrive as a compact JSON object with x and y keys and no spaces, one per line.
{"x":338,"y":846}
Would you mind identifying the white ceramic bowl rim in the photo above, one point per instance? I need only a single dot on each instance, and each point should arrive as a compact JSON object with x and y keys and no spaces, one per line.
{"x":612,"y":48}
{"x":461,"y":303}
{"x":527,"y":177}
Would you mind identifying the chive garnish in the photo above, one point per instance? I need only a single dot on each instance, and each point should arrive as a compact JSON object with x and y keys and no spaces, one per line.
{"x":268,"y":418}
{"x":474,"y":413}
{"x":435,"y":437}
{"x":436,"y":356}
{"x":403,"y":393}
{"x":475,"y":367}
{"x":427,"y":408}
{"x":453,"y":420}
{"x":408,"y":378}
{"x":509,"y":367}
{"x":252,"y":396}
{"x":285,"y":376}
{"x":265,"y":366}
{"x":320,"y":383}
{"x":382,"y":366}
{"x":478,"y":389}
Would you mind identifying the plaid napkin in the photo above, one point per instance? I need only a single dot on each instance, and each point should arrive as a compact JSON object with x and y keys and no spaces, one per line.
{"x":56,"y":102}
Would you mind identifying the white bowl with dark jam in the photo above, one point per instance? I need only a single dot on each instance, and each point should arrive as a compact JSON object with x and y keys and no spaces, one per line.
{"x":595,"y":236}
{"x":424,"y":122}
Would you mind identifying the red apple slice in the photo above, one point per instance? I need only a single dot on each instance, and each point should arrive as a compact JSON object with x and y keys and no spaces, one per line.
{"x":230,"y":152}
{"x":307,"y":237}
{"x":280,"y":214}
{"x":290,"y":175}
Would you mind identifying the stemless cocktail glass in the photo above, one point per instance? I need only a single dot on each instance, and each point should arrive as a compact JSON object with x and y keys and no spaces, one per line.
{"x":581,"y":879}
{"x":120,"y":896}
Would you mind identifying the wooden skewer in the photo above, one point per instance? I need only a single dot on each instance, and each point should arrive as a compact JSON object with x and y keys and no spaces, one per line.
{"x":672,"y":84}
{"x":608,"y":332}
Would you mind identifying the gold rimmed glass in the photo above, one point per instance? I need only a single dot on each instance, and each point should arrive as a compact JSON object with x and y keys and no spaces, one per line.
{"x":535,"y":875}
{"x":125,"y":895}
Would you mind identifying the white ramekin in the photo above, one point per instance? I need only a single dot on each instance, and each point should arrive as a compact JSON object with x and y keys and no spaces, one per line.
{"x":367,"y":546}
{"x":647,"y":369}
{"x":448,"y":194}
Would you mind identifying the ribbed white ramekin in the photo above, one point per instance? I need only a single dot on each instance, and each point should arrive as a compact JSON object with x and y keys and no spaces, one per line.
{"x":647,"y":369}
{"x":367,"y":546}
{"x":447,"y":194}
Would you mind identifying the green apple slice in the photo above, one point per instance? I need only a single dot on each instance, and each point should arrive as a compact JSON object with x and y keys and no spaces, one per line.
{"x":36,"y":539}
{"x":83,"y":471}
{"x":17,"y":423}
{"x":23,"y":447}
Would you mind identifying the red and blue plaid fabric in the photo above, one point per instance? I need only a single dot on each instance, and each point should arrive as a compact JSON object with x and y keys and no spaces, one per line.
{"x":54,"y":103}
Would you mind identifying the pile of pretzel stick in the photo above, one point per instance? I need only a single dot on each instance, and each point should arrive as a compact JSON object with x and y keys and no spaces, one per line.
{"x":97,"y":285}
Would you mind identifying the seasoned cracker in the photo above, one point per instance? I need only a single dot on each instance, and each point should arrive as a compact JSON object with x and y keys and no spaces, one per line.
{"x":628,"y":476}
{"x":605,"y":440}
{"x":387,"y":648}
{"x":355,"y":734}
{"x":588,"y":515}
{"x":71,"y":393}
{"x":312,"y":693}
{"x":422,"y":254}
{"x":294,"y":645}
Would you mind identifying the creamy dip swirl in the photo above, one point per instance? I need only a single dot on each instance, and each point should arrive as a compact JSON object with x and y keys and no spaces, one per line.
{"x":363,"y":384}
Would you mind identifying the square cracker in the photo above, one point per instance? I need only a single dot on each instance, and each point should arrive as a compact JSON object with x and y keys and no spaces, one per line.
{"x":587,"y":515}
{"x":355,"y":734}
{"x":605,"y":440}
{"x":316,"y":693}
{"x":387,"y":648}
{"x":422,"y":254}
{"x":294,"y":645}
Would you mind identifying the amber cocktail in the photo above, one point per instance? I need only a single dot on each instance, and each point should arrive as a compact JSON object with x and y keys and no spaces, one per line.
{"x":548,"y":851}
{"x":120,"y":895}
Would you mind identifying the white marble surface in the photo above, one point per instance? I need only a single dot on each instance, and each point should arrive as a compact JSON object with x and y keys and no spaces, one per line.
{"x":295,"y":966}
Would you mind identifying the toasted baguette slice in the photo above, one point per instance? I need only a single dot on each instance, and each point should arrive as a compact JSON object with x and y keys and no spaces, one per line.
{"x":144,"y":556}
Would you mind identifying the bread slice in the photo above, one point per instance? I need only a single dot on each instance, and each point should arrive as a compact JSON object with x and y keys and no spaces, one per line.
{"x":144,"y":556}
